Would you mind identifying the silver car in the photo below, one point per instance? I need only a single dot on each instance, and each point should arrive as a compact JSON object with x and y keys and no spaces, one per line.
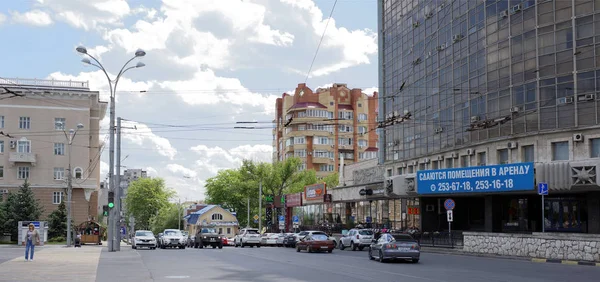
{"x":173,"y":238}
{"x":144,"y":238}
{"x":400,"y":246}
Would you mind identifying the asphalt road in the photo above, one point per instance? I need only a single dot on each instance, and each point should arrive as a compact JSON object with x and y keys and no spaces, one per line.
{"x":9,"y":253}
{"x":285,"y":264}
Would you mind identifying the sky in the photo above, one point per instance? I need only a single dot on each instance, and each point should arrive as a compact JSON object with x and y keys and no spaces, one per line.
{"x":209,"y":64}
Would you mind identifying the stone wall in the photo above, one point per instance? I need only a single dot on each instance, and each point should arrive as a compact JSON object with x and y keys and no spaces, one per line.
{"x":561,"y":246}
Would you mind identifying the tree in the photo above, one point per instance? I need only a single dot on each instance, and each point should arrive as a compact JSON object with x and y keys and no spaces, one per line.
{"x":57,"y":222}
{"x":21,"y":206}
{"x":2,"y":216}
{"x":230,"y":189}
{"x":169,"y":217}
{"x":145,"y":198}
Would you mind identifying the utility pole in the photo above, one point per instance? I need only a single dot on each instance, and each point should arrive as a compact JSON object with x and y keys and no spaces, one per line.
{"x":179,"y":212}
{"x":260,"y":206}
{"x":248,"y":224}
{"x":118,"y":209}
{"x":69,"y":136}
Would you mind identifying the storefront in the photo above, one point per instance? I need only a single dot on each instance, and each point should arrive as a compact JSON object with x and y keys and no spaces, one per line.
{"x":293,"y":204}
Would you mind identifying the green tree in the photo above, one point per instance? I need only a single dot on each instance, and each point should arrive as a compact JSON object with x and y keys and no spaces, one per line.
{"x":57,"y":222}
{"x":21,"y":206}
{"x":2,"y":216}
{"x":169,"y":217}
{"x":230,"y":189}
{"x":145,"y":198}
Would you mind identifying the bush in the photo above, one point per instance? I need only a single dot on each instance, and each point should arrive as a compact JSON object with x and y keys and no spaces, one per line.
{"x":57,"y":239}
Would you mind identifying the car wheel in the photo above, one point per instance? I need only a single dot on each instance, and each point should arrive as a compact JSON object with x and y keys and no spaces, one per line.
{"x":220,"y":246}
{"x":361,"y":248}
{"x":342,"y":246}
{"x":371,"y":254}
{"x":297,"y":249}
{"x":334,"y":244}
{"x":258,"y":246}
{"x":352,"y":246}
{"x":415,"y":261}
{"x":330,"y":251}
{"x":214,"y":246}
{"x":380,"y":256}
{"x":241,"y":244}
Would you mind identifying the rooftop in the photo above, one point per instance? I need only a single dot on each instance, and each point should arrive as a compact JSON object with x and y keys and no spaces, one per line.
{"x":45,"y":83}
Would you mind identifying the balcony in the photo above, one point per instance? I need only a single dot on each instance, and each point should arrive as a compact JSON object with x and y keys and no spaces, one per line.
{"x":22,"y":158}
{"x":322,"y":160}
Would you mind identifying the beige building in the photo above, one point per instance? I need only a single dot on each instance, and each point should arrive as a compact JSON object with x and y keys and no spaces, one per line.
{"x":214,"y":216}
{"x":33,"y":145}
{"x":326,"y":125}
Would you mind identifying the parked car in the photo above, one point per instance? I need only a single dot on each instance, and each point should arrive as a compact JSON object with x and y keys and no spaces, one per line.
{"x":191,"y":241}
{"x":400,"y":246}
{"x":247,"y":237}
{"x":281,"y":238}
{"x":290,"y":240}
{"x":173,"y":238}
{"x":269,"y":240}
{"x":316,"y":242}
{"x":208,"y":236}
{"x":356,"y":239}
{"x":144,"y":238}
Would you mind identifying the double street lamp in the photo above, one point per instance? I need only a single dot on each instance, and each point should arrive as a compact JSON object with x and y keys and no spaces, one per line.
{"x":70,"y":136}
{"x":113,"y":229}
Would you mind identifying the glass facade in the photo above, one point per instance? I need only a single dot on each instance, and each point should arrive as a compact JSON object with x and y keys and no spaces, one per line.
{"x":531,"y":64}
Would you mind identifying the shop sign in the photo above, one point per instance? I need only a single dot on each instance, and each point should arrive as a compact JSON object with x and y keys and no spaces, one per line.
{"x":293,"y":200}
{"x":315,"y":193}
{"x":482,"y":179}
{"x":327,"y":198}
{"x":413,"y":211}
{"x":279,"y":201}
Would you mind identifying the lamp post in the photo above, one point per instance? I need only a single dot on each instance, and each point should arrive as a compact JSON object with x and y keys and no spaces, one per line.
{"x":112,"y":226}
{"x":70,"y":136}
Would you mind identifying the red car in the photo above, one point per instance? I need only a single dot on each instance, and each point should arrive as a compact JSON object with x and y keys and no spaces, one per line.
{"x":224,"y":239}
{"x":317,"y":242}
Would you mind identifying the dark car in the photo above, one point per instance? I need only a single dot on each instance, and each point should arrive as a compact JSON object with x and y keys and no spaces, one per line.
{"x":316,"y":243}
{"x":290,"y":241}
{"x":208,"y":236}
{"x":400,"y":246}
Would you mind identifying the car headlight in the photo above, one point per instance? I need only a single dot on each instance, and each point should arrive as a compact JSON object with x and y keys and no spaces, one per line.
{"x":204,"y":237}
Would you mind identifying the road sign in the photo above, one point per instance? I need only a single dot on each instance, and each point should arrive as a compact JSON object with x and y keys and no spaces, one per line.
{"x":281,"y":218}
{"x":449,"y":215}
{"x":295,"y":219}
{"x":542,"y":188}
{"x":449,"y":204}
{"x":256,"y":217}
{"x":256,"y":221}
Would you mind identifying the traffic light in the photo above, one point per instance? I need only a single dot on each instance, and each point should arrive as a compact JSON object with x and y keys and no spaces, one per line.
{"x":105,"y":210}
{"x":111,"y":199}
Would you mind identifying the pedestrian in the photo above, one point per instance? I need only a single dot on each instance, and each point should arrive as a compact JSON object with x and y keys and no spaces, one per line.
{"x":32,"y":237}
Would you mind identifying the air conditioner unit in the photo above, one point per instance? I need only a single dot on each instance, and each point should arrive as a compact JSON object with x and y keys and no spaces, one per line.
{"x":457,"y":37}
{"x":441,"y":47}
{"x":439,"y":130}
{"x":332,"y":146}
{"x":426,"y":161}
{"x":564,"y":100}
{"x":586,"y":97}
{"x":504,"y":14}
{"x":515,"y":9}
{"x":454,"y":155}
{"x":440,"y":158}
{"x":402,"y":164}
{"x":514,"y":110}
{"x":416,"y":24}
{"x":414,"y":163}
{"x":13,"y":144}
{"x":512,"y":145}
{"x":429,"y":15}
{"x":470,"y":152}
{"x":578,"y":137}
{"x":474,"y":118}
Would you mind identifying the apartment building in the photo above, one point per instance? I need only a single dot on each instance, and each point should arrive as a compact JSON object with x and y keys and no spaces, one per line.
{"x":325,"y":125}
{"x":34,"y":144}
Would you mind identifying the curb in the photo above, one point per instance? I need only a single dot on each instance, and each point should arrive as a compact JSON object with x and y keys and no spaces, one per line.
{"x":463,"y":253}
{"x":569,"y":262}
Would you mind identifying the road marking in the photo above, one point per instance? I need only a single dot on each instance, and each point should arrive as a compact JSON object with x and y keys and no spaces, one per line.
{"x":538,"y":260}
{"x":177,"y":277}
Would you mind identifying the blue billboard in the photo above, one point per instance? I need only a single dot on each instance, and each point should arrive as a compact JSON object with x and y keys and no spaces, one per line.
{"x":480,"y":179}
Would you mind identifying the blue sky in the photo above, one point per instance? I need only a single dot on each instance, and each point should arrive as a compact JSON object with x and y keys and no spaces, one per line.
{"x":207,"y":60}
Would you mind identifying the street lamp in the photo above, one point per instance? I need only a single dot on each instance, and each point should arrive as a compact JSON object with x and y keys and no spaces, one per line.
{"x":70,"y":136}
{"x":112,"y":84}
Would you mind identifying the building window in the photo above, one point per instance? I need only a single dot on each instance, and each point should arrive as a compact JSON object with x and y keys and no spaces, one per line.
{"x":59,"y":173}
{"x":595,"y":148}
{"x":23,"y":172}
{"x":362,"y":143}
{"x":389,"y":172}
{"x":302,"y":167}
{"x":399,"y":171}
{"x":24,"y":123}
{"x":464,"y":161}
{"x":362,"y":129}
{"x":362,"y":117}
{"x":24,"y":146}
{"x":528,"y":154}
{"x":59,"y":149}
{"x":560,"y":151}
{"x":228,"y":230}
{"x":326,"y":167}
{"x":1,"y":171}
{"x":449,"y":163}
{"x":345,"y":115}
{"x":60,"y":123}
{"x":217,"y":216}
{"x":345,"y":141}
{"x":78,"y":173}
{"x":481,"y":159}
{"x":1,"y":146}
{"x":411,"y":169}
{"x":503,"y":156}
{"x":57,"y":197}
{"x":1,"y":121}
{"x":300,"y":153}
{"x":435,"y":165}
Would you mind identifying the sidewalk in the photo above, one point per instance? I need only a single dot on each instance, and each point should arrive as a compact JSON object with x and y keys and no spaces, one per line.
{"x":54,"y":264}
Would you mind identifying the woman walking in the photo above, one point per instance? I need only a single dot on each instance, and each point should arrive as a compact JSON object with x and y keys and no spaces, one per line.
{"x":32,"y":237}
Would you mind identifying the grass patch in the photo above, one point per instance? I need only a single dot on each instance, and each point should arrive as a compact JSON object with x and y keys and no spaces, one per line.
{"x":8,"y":243}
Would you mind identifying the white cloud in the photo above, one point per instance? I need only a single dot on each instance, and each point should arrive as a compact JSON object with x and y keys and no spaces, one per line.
{"x":33,"y":17}
{"x":216,"y":158}
{"x":104,"y":168}
{"x":89,"y":14}
{"x":184,"y":171}
{"x":152,"y":172}
{"x":2,"y":18}
{"x":142,"y":135}
{"x":369,"y":91}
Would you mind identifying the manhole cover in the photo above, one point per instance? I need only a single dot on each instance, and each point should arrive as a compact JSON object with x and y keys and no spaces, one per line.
{"x":177,"y":277}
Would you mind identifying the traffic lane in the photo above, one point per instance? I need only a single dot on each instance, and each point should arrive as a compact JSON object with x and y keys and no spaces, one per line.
{"x":474,"y":268}
{"x":10,"y":253}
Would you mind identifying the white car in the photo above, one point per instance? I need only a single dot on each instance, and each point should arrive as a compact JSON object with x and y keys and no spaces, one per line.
{"x":144,"y":238}
{"x":269,"y":240}
{"x":357,"y":239}
{"x":173,"y":238}
{"x":247,"y":237}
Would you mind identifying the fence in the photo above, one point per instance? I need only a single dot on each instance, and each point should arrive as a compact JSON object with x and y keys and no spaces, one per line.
{"x":440,"y":239}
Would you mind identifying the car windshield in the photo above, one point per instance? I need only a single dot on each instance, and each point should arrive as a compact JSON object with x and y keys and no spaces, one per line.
{"x":143,"y":233}
{"x":319,"y":233}
{"x":172,"y":233}
{"x":319,"y":237}
{"x":209,"y":230}
{"x":403,"y":237}
{"x":365,"y":232}
{"x":251,"y":232}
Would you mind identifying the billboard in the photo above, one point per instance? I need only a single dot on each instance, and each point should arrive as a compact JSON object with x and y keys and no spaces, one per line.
{"x":315,"y":193}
